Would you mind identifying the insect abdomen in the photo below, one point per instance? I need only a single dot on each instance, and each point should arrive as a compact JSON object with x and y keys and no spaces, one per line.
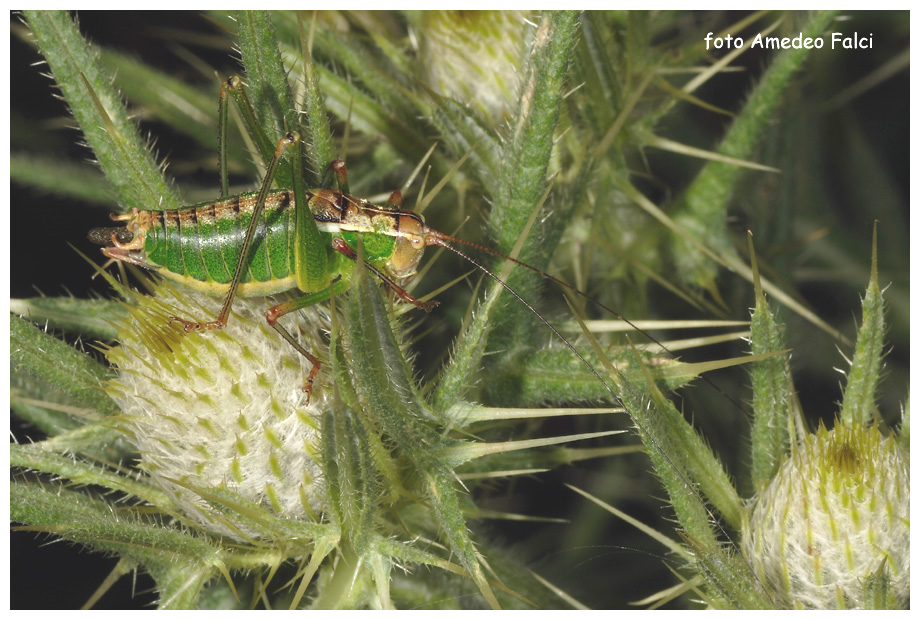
{"x":200,"y":246}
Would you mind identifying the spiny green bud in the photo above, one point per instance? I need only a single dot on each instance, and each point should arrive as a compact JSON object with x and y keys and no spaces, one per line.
{"x":222,"y":409}
{"x":834,"y":521}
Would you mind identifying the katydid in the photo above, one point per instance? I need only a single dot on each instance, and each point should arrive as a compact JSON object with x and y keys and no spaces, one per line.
{"x":276,"y":240}
{"x":270,"y":242}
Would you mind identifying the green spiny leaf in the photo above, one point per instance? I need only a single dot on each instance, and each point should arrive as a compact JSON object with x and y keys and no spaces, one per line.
{"x":122,"y":153}
{"x":93,"y":318}
{"x":521,"y":186}
{"x":770,"y":381}
{"x":705,"y":203}
{"x":862,"y":381}
{"x":44,"y":368}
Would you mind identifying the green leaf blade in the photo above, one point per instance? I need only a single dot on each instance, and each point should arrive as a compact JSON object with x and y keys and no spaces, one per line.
{"x":123,"y":155}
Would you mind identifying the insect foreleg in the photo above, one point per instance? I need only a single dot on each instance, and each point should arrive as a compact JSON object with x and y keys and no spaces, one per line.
{"x":340,"y":246}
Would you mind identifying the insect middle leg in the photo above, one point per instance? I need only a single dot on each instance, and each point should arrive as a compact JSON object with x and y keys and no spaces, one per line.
{"x":276,"y":312}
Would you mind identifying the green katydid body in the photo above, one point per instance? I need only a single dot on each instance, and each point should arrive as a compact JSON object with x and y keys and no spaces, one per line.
{"x":273,"y":241}
{"x":199,"y":246}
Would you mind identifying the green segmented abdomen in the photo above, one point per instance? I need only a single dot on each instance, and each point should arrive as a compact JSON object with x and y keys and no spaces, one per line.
{"x":200,"y":246}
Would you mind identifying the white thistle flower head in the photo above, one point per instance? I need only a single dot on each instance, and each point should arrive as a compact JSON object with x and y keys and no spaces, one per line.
{"x":223,"y":409}
{"x":834,"y":518}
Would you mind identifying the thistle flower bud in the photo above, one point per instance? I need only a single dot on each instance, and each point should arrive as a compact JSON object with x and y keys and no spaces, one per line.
{"x":834,"y":520}
{"x":472,"y":57}
{"x":219,"y":410}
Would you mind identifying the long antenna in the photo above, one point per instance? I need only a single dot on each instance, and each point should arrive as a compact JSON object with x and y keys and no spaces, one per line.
{"x":440,"y":239}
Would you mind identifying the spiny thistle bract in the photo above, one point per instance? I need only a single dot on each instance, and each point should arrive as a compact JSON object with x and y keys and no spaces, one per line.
{"x":243,"y":495}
